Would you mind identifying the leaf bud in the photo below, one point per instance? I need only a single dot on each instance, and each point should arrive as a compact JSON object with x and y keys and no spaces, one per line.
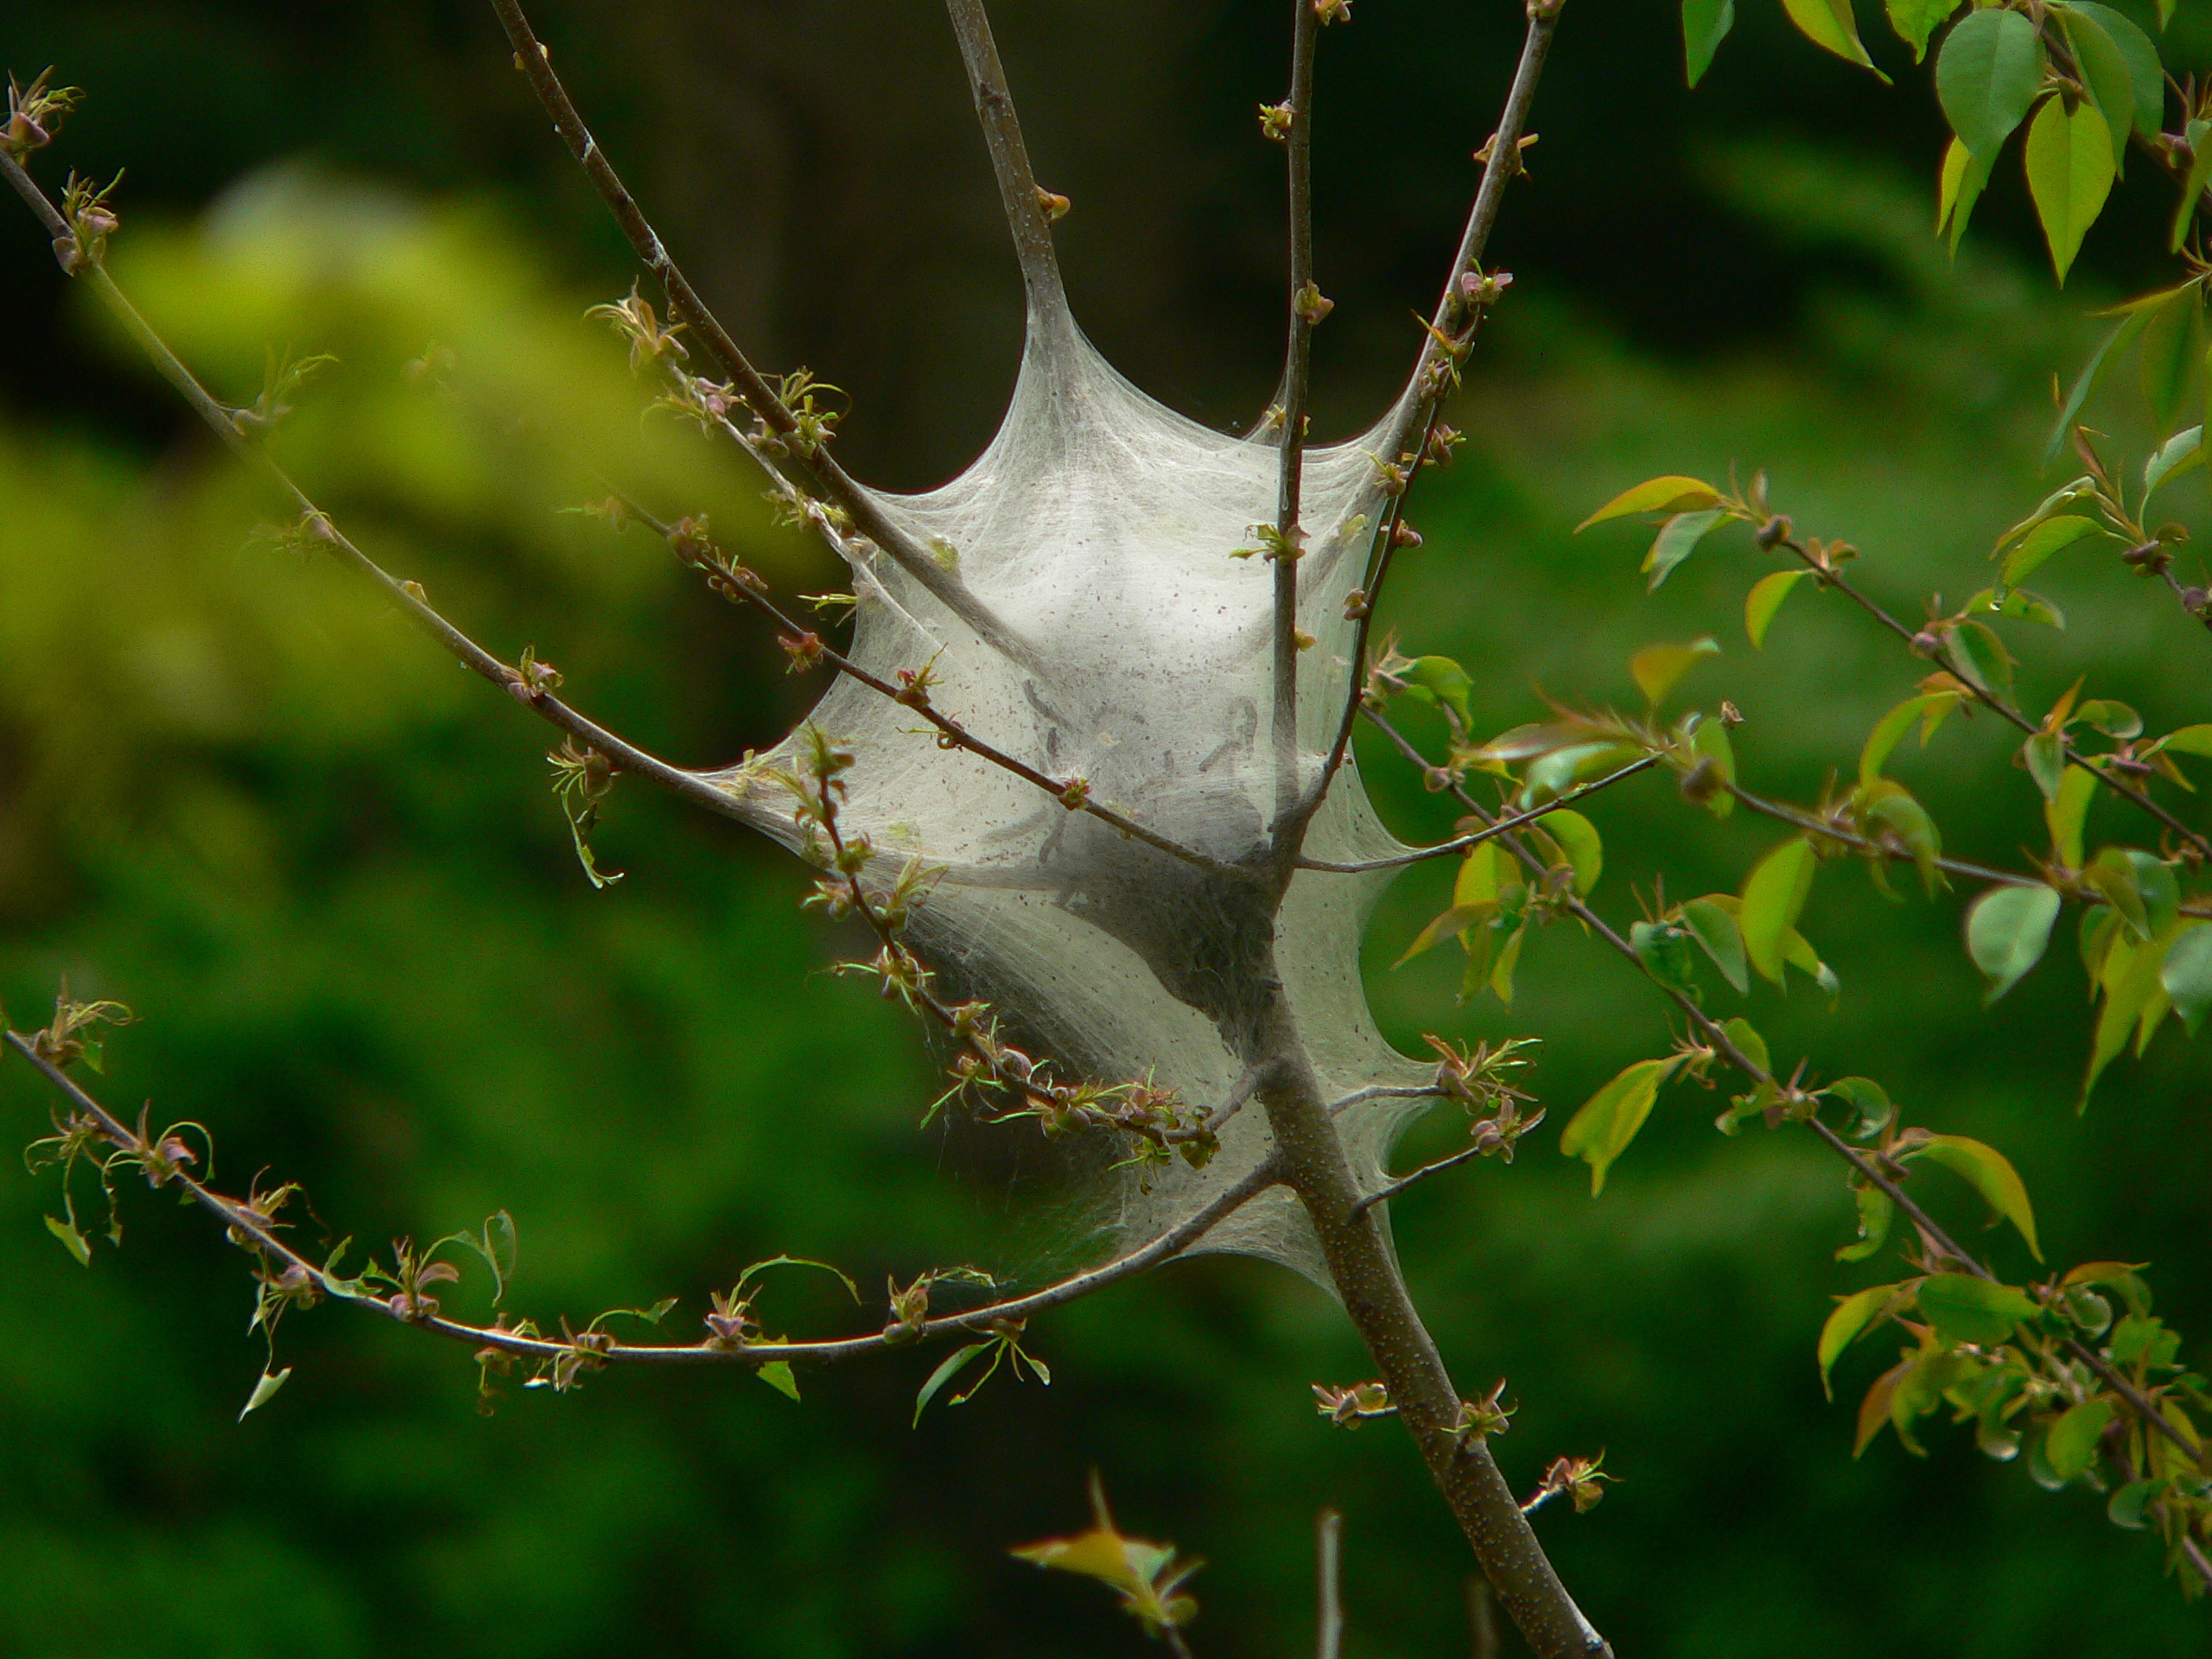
{"x":2148,"y":558}
{"x":1404,"y":535}
{"x":1771,"y":534}
{"x":1926,"y":643}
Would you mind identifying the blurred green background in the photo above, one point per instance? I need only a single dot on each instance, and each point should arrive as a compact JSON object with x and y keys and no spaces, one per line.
{"x":323,"y":864}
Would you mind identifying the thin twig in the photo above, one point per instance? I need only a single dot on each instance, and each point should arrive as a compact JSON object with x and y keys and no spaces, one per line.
{"x":1382,"y":1194}
{"x":969,"y":1322}
{"x":1328,"y":1613}
{"x":1302,"y":315}
{"x":1718,"y":1037}
{"x":818,"y":466}
{"x":1475,"y":838}
{"x":1450,"y":332}
{"x":1027,"y":214}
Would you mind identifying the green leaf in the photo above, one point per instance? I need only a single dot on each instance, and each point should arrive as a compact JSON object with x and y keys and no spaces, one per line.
{"x":1965,"y":176}
{"x":2044,"y":753}
{"x":1601,"y":1131}
{"x":1508,"y":956}
{"x":1981,"y":657}
{"x":1766,"y":599}
{"x":2185,"y":972}
{"x":777,"y":1374}
{"x":1870,"y":1105}
{"x":2019,"y":604}
{"x":1481,"y":878}
{"x":2144,"y":74}
{"x":2066,"y":815}
{"x":1677,"y":539}
{"x":1889,"y":805}
{"x":2117,"y":876}
{"x":1672,"y":493}
{"x":1659,"y":669}
{"x":72,"y":1240}
{"x":2173,"y":344}
{"x":2070,"y":173}
{"x":1578,"y":839}
{"x":1876,"y":1210}
{"x":2045,"y":539}
{"x":839,"y":1274}
{"x":2192,"y":190}
{"x":2105,"y":73}
{"x":1829,"y":25}
{"x":1711,"y":742}
{"x":2008,"y":929}
{"x":1963,"y":1308}
{"x":1774,"y":896}
{"x":2138,"y":1340}
{"x":1889,"y":730}
{"x":1705,"y":23}
{"x":1747,"y":1039}
{"x":1915,"y":20}
{"x":954,"y":1364}
{"x":2113,"y":344}
{"x":264,"y":1391}
{"x":1435,"y":680}
{"x":1717,"y":934}
{"x":1854,"y":1317}
{"x":2128,"y":1506}
{"x":1986,"y":77}
{"x":2180,"y":454}
{"x":1988,"y":1171}
{"x":1665,"y":950}
{"x":2071,"y":1445}
{"x":2189,"y":740}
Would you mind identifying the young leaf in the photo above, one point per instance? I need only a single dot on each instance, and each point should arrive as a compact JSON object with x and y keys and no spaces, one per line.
{"x":1677,"y":539}
{"x":1439,"y":680}
{"x":72,"y":1240}
{"x":1774,"y":896}
{"x":2192,"y":190}
{"x":2117,"y":876}
{"x":777,"y":1374}
{"x":1705,"y":23}
{"x":1711,"y":743}
{"x":2008,"y":929}
{"x":1717,"y":934}
{"x":2071,"y":1445}
{"x":1963,"y":1308}
{"x":1854,"y":1317}
{"x":1869,"y":1105}
{"x":2105,"y":73}
{"x":2186,"y":973}
{"x":2178,"y":455}
{"x":1672,"y":493}
{"x":953,"y":1365}
{"x":1964,"y":176}
{"x":2173,"y":344}
{"x":1747,"y":1039}
{"x":1874,"y":1409}
{"x":1988,"y":1171}
{"x":1665,"y":953}
{"x":1981,"y":656}
{"x":1876,"y":1210}
{"x":1766,"y":599}
{"x":264,"y":1390}
{"x":1986,"y":76}
{"x":2113,"y":344}
{"x":2070,"y":173}
{"x":2040,"y":542}
{"x":1578,"y":839}
{"x":2067,"y":812}
{"x":1929,"y":707}
{"x":2145,"y":77}
{"x":1829,"y":25}
{"x":1659,"y":669}
{"x":1479,"y":882}
{"x":1915,"y":20}
{"x":1600,"y":1132}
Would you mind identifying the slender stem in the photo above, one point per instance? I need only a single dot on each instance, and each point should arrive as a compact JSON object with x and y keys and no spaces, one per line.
{"x":1475,"y":838}
{"x":820,"y":469}
{"x":1716,"y":1035}
{"x":1382,"y":1194}
{"x":1365,"y":1274}
{"x":968,"y":1323}
{"x":1449,"y":333}
{"x":2003,"y":710}
{"x":1296,"y":374}
{"x":1026,"y":215}
{"x":1328,"y":1604}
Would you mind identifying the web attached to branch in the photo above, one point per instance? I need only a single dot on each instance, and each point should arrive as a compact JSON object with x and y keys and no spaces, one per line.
{"x":1098,"y":527}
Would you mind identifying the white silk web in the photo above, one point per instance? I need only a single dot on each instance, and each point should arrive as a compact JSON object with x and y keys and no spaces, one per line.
{"x":1098,"y":528}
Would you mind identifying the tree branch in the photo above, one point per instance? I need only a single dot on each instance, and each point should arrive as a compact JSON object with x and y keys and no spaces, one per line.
{"x":971,"y":1322}
{"x":1028,"y":214}
{"x":1303,"y":310}
{"x":1460,"y":843}
{"x":820,"y":469}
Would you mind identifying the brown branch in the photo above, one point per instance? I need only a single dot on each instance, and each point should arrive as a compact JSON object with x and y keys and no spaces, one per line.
{"x":820,"y":469}
{"x":1450,"y":332}
{"x":1028,"y":215}
{"x":971,"y":1322}
{"x":1460,"y":843}
{"x":1303,"y":311}
{"x":1384,"y":1194}
{"x":1717,"y":1036}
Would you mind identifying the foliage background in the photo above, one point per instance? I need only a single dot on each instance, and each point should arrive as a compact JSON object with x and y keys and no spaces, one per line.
{"x":324,"y":867}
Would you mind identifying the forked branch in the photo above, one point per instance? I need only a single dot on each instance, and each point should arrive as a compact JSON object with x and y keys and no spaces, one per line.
{"x":1030,"y":209}
{"x":1305,"y":308}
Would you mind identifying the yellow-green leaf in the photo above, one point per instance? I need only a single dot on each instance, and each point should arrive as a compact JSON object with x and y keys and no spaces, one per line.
{"x":1672,"y":493}
{"x":1766,"y":599}
{"x":1705,"y":23}
{"x":1989,"y":1173}
{"x":2066,"y":813}
{"x":1915,"y":20}
{"x":2071,"y":1446}
{"x":1829,"y":25}
{"x":2069,"y":174}
{"x":2008,"y":929}
{"x":1600,"y":1132}
{"x":1854,"y":1317}
{"x":1965,"y":176}
{"x":2045,"y":539}
{"x":1658,"y":669}
{"x":1578,"y":840}
{"x":1964,"y":1308}
{"x":1773,"y":898}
